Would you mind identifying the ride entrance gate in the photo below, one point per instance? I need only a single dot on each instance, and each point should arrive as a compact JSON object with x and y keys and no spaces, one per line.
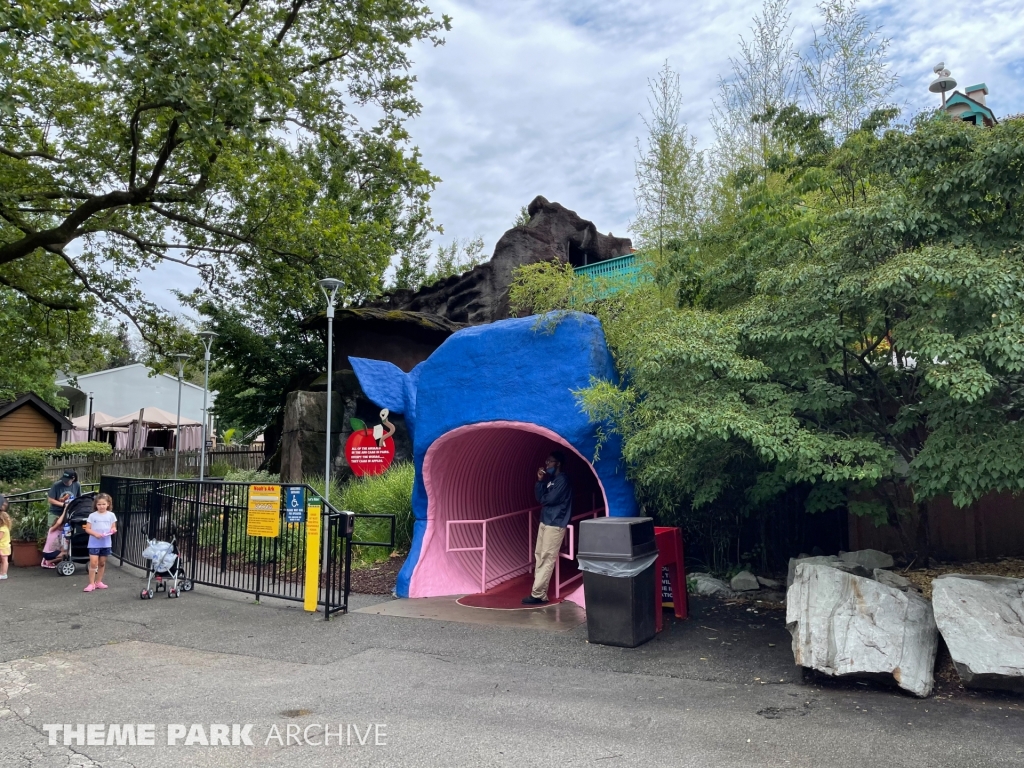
{"x":234,"y":536}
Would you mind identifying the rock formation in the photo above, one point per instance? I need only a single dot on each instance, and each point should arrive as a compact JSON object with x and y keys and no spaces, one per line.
{"x":981,"y":618}
{"x":481,"y":295}
{"x":846,"y":625}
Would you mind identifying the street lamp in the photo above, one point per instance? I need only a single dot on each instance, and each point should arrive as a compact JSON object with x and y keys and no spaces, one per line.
{"x":207,"y":338}
{"x":180,"y":358}
{"x":90,"y":417}
{"x":329,"y":286}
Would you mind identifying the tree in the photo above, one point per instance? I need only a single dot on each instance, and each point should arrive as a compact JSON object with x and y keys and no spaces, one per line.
{"x":846,"y":73}
{"x":457,"y":257}
{"x":669,"y":171}
{"x":37,"y":341}
{"x":764,"y":77}
{"x":523,"y":218}
{"x":871,"y":353}
{"x":134,"y":132}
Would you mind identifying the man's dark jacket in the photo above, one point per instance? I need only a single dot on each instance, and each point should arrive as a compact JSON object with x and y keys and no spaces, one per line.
{"x":555,"y":496}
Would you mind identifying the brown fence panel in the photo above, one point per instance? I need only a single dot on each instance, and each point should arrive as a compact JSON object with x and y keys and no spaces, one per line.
{"x":134,"y":464}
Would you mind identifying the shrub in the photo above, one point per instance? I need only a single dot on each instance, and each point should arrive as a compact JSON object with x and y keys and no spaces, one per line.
{"x":219,"y":469}
{"x":91,"y":450}
{"x":17,"y":465}
{"x":387,"y":494}
{"x":31,"y":523}
{"x":251,"y":476}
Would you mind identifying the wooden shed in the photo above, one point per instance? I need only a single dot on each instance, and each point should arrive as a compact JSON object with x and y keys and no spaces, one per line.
{"x":30,"y":422}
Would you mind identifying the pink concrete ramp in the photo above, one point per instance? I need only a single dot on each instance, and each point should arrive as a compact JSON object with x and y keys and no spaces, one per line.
{"x":481,"y":511}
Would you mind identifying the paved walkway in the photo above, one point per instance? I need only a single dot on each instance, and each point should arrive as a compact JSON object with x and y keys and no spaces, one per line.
{"x":719,"y":690}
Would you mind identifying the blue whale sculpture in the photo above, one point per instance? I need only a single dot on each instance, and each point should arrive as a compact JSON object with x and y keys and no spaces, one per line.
{"x":482,"y":411}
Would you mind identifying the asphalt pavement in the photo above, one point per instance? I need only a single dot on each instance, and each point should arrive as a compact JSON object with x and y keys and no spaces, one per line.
{"x":194,"y":674}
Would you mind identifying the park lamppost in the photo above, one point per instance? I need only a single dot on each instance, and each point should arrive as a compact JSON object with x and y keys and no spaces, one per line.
{"x":207,"y":338}
{"x":181,"y":357}
{"x":329,"y":286}
{"x":90,"y":417}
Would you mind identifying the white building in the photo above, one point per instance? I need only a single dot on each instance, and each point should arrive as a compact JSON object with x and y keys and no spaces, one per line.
{"x":125,"y":390}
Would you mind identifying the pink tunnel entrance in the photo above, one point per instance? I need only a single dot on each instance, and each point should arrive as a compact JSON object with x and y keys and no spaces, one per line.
{"x":481,"y":514}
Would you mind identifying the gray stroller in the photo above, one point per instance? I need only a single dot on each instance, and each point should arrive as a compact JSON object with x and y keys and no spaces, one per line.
{"x":164,"y":566}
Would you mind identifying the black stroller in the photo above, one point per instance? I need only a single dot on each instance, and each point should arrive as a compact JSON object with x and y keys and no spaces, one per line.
{"x":76,"y":540}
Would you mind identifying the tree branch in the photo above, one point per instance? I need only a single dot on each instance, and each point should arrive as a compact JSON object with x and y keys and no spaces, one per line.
{"x":293,"y":14}
{"x":26,"y":155}
{"x":71,"y":306}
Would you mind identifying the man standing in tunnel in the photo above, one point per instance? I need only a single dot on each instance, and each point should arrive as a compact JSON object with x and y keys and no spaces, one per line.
{"x":554,"y":492}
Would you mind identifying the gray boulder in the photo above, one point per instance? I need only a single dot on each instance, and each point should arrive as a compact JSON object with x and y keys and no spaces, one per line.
{"x":794,"y":561}
{"x":706,"y":585}
{"x":847,"y":625}
{"x":894,"y":580}
{"x":981,"y":618}
{"x":768,"y":583}
{"x":868,"y":558}
{"x":744,"y":581}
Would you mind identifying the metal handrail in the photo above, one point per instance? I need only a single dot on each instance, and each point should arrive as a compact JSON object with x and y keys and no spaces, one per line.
{"x":483,"y":544}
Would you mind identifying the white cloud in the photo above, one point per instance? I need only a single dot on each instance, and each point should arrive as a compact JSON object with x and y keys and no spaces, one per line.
{"x":544,"y":96}
{"x":540,"y":97}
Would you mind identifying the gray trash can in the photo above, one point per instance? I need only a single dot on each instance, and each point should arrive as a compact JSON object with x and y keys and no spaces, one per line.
{"x":616,"y":555}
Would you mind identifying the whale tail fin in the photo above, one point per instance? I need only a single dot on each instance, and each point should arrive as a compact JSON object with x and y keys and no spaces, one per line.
{"x":386,"y":384}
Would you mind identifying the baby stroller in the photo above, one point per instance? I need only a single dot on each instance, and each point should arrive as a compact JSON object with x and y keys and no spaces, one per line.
{"x":164,"y":565}
{"x":75,"y":540}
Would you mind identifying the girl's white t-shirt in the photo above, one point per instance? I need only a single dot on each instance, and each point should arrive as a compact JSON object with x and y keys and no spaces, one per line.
{"x":101,"y":523}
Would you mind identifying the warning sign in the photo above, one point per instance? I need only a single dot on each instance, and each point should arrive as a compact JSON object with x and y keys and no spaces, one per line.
{"x":264,"y":517}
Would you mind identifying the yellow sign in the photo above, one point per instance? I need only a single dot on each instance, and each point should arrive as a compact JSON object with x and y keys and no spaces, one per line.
{"x":264,"y":511}
{"x":311,"y":593}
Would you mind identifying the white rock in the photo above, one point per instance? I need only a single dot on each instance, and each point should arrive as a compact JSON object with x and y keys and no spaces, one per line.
{"x":794,"y":561}
{"x":981,"y":618}
{"x":706,"y":585}
{"x":894,"y":580}
{"x":744,"y":581}
{"x":868,"y":558}
{"x":849,"y":625}
{"x":768,"y":583}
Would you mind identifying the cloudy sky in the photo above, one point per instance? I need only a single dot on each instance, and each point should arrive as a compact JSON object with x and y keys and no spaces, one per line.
{"x":545,"y":97}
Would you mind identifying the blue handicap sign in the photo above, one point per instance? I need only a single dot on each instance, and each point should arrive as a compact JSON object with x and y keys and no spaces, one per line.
{"x":294,"y":504}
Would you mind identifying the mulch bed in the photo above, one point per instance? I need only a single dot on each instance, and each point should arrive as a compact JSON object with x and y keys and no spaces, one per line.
{"x":1012,"y":567}
{"x":379,"y":578}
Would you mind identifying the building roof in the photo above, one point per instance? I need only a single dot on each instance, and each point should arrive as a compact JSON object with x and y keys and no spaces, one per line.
{"x":66,"y":380}
{"x":153,"y":417}
{"x":974,"y":107}
{"x":31,"y":398}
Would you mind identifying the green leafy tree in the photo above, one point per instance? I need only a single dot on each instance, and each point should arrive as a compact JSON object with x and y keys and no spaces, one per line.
{"x":523,"y":218}
{"x":764,"y":76}
{"x":214,"y":134}
{"x":669,"y":172}
{"x":853,"y":327}
{"x":846,"y":73}
{"x":457,"y":257}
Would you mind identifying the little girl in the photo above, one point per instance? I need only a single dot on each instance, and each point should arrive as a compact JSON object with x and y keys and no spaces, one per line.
{"x":5,"y":536}
{"x":101,"y":525}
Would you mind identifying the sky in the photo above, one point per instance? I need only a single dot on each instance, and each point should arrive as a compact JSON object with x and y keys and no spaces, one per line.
{"x":546,"y":97}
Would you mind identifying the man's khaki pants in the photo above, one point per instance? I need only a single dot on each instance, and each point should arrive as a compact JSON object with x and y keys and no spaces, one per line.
{"x":549,"y":541}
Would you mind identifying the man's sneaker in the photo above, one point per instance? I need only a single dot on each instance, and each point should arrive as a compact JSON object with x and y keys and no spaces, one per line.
{"x":46,"y":564}
{"x":531,"y":600}
{"x":100,"y":585}
{"x":3,"y":576}
{"x":89,"y":587}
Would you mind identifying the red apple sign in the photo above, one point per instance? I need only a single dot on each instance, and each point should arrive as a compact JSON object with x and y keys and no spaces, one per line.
{"x":365,"y":456}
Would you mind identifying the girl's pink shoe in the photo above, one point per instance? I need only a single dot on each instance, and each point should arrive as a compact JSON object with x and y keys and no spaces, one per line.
{"x":100,"y":585}
{"x":89,"y":588}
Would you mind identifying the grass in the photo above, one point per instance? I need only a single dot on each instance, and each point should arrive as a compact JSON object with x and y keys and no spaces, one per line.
{"x":387,"y":494}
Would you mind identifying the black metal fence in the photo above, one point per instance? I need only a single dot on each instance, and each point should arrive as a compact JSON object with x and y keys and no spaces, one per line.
{"x":208,"y":521}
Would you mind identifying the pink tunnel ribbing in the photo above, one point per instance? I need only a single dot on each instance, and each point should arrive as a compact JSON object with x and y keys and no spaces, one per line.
{"x":482,"y":471}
